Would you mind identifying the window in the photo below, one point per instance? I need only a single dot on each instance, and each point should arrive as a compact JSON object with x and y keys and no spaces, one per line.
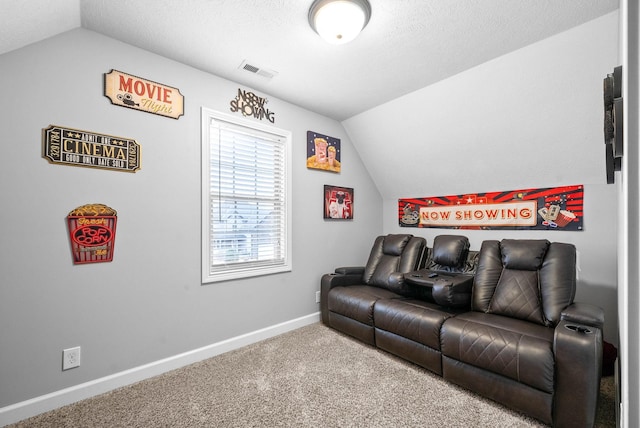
{"x":246,"y":214}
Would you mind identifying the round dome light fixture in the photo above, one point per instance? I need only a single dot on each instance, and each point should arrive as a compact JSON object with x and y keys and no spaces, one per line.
{"x":339,"y":21}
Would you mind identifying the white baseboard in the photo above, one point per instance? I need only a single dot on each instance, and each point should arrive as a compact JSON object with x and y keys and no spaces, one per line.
{"x":35,"y":406}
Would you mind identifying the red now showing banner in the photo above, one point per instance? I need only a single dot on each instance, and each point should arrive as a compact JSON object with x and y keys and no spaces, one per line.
{"x":556,"y":208}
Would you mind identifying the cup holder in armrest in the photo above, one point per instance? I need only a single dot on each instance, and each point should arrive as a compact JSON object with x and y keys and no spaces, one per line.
{"x":578,"y":328}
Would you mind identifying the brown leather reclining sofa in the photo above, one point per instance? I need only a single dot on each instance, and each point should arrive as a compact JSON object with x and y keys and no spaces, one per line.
{"x":511,"y":333}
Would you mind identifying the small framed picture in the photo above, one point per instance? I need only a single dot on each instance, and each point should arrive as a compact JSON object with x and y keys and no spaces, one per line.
{"x":323,"y":152}
{"x":338,"y":202}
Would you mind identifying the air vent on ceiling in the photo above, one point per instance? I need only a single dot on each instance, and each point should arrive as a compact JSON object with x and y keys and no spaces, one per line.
{"x":268,"y":74}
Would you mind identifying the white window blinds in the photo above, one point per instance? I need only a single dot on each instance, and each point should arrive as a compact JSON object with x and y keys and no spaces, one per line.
{"x":247,"y":216}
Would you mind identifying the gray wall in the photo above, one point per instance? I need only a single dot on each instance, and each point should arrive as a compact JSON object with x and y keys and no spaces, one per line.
{"x":148,"y":304}
{"x":531,"y":118}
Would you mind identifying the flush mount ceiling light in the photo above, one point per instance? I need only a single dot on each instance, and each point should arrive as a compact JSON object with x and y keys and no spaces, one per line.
{"x":339,"y":21}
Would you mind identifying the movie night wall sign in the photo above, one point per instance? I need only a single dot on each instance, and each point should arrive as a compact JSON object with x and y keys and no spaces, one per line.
{"x":127,"y":90}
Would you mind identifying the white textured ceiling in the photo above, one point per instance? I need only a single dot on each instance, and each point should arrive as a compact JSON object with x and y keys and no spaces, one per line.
{"x":408,"y":44}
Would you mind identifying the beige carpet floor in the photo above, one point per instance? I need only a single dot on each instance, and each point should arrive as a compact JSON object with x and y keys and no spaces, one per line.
{"x":310,"y":377}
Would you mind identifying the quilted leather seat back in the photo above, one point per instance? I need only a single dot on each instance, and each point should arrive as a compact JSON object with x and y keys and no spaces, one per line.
{"x":392,"y":253}
{"x":532,"y":280}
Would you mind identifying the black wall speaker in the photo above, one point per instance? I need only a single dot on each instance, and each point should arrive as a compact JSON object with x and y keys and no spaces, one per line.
{"x":613,"y":135}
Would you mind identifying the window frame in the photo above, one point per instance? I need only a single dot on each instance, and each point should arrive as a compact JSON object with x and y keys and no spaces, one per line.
{"x":240,"y":271}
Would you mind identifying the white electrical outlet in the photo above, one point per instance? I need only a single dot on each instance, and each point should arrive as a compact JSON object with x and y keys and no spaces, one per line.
{"x":317,"y":297}
{"x":71,"y":358}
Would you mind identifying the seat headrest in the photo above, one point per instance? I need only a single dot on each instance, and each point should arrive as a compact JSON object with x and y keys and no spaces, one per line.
{"x":450,"y":250}
{"x":523,"y":254}
{"x":393,"y":245}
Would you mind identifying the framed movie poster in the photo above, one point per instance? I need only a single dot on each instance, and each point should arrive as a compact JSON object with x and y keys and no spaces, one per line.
{"x":338,"y":203}
{"x":323,"y":152}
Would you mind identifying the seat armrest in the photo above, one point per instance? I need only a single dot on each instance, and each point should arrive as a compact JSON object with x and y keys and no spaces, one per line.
{"x":398,"y":285}
{"x":331,"y":280}
{"x":578,"y":349}
{"x":578,"y":353}
{"x":583,"y":313}
{"x":454,"y":292}
{"x":451,"y":290}
{"x":350,"y":270}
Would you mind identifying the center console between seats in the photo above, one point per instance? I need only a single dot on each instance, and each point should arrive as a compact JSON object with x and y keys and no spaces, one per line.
{"x":410,"y":328}
{"x":451,"y":290}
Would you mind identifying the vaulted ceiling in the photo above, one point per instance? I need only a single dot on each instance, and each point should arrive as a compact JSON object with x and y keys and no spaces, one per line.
{"x":407,"y":45}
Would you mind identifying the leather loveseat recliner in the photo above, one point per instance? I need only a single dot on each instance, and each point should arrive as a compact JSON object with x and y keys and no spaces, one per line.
{"x":522,"y":340}
{"x":348,"y":296}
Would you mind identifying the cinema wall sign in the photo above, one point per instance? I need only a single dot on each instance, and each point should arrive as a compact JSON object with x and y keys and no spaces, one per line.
{"x":134,"y":92}
{"x":68,"y":146}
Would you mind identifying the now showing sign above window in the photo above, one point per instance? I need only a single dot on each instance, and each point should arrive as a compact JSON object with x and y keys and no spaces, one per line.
{"x":134,"y":92}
